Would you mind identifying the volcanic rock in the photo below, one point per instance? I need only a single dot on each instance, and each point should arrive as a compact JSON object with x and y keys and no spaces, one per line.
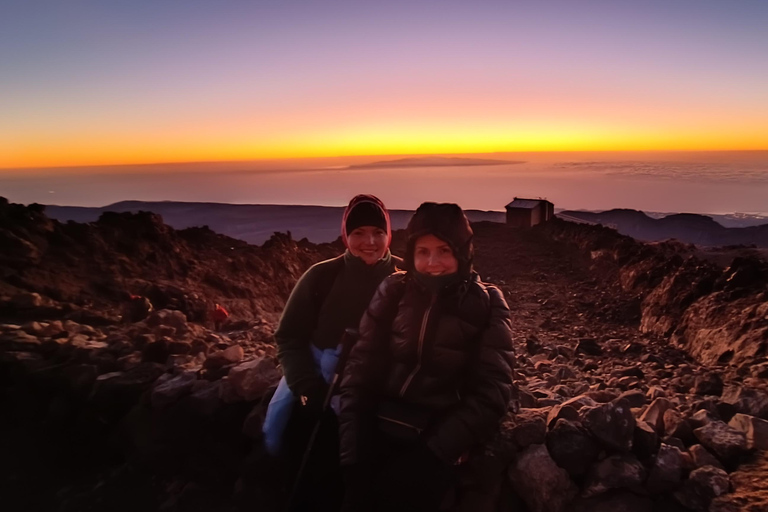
{"x":251,"y":380}
{"x":540,"y":482}
{"x":654,"y":414}
{"x":702,"y":457}
{"x":615,"y":472}
{"x":727,"y":443}
{"x":571,"y":447}
{"x":667,"y":471}
{"x":703,"y":485}
{"x":755,"y":429}
{"x":612,"y":424}
{"x":708,"y":384}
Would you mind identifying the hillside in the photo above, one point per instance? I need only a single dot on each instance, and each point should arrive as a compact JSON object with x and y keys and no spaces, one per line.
{"x":685,"y":227}
{"x":164,"y":413}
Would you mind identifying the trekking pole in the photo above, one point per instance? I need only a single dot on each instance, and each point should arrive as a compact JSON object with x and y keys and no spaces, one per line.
{"x":348,"y":339}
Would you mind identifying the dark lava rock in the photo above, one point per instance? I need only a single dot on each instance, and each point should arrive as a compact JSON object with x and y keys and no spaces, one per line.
{"x":615,"y":472}
{"x":572,"y":447}
{"x":540,"y":482}
{"x":708,"y":384}
{"x":727,"y":443}
{"x":667,"y":471}
{"x":589,"y":346}
{"x":703,"y":485}
{"x":612,"y":424}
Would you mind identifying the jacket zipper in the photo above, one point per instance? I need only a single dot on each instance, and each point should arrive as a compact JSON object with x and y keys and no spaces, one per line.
{"x":402,"y":423}
{"x":420,"y":347}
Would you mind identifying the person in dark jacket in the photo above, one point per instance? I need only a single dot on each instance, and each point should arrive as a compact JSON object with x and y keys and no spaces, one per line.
{"x":330,"y":297}
{"x":430,"y":375}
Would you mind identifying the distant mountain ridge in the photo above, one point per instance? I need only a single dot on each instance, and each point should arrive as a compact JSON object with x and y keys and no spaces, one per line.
{"x":686,"y":227}
{"x":434,"y":161}
{"x":252,"y":223}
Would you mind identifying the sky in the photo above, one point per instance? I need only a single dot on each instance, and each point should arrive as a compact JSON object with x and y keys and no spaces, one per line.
{"x":145,"y":81}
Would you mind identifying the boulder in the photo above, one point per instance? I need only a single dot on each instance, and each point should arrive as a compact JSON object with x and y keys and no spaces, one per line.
{"x":571,"y":447}
{"x":589,"y":346}
{"x":168,"y":317}
{"x":612,"y":424}
{"x":654,"y":414}
{"x":635,"y":398}
{"x":667,"y":471}
{"x":727,"y":443}
{"x":645,"y":442}
{"x":540,"y":482}
{"x":702,"y":457}
{"x":528,"y":427}
{"x":621,"y":471}
{"x":708,"y":384}
{"x":222,"y":358}
{"x":172,"y":389}
{"x":675,"y":425}
{"x":755,"y":429}
{"x":753,"y":402}
{"x":701,"y":417}
{"x":703,"y":485}
{"x":252,"y":379}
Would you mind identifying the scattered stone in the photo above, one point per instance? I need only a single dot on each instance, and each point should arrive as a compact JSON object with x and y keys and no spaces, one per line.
{"x":703,"y":485}
{"x":645,"y":442}
{"x":755,"y":429}
{"x":667,"y":471}
{"x":654,"y":414}
{"x":540,"y":482}
{"x":528,"y":427}
{"x":676,"y":426}
{"x":252,"y":379}
{"x":702,"y":457}
{"x":615,"y":472}
{"x":635,"y":398}
{"x":612,"y":424}
{"x":702,"y":417}
{"x":746,"y":401}
{"x":655,"y":392}
{"x":571,"y":447}
{"x":221,"y":358}
{"x":173,"y":388}
{"x":589,"y":346}
{"x":727,"y":443}
{"x":708,"y":384}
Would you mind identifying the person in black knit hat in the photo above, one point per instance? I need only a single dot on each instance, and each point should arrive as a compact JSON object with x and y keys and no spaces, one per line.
{"x":330,"y":297}
{"x":431,"y":374}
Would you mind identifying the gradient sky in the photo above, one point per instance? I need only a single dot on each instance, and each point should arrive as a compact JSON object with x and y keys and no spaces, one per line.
{"x":135,"y":81}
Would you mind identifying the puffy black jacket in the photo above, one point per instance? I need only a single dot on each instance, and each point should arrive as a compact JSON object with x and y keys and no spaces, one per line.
{"x":449,"y":355}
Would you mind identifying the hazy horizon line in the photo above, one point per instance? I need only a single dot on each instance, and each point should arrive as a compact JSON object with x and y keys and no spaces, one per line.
{"x":383,"y":155}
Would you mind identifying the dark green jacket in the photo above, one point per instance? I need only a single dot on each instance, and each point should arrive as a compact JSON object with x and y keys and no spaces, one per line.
{"x":330,"y":297}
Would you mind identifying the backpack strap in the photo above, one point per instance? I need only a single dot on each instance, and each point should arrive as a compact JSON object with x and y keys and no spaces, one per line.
{"x":325,"y":281}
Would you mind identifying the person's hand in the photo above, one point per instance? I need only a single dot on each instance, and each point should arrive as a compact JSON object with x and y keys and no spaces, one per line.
{"x":312,"y":399}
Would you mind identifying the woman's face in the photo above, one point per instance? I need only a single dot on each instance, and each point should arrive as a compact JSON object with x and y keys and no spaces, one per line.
{"x":433,"y":256}
{"x":368,"y":243}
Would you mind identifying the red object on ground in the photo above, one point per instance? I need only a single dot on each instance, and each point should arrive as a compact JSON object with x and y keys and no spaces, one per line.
{"x":219,"y":314}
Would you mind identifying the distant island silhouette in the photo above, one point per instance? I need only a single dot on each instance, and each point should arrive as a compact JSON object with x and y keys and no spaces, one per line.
{"x":433,"y":161}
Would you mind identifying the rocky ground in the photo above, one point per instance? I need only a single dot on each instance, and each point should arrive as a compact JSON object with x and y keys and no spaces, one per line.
{"x":641,"y":370}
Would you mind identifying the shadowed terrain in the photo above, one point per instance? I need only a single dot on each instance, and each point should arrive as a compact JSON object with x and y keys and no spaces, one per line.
{"x":641,"y":369}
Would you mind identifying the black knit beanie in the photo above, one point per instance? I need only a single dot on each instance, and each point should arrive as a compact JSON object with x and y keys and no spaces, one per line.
{"x":365,"y":214}
{"x":447,"y":222}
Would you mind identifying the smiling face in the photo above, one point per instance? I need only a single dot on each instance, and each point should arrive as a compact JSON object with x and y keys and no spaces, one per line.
{"x":433,"y":256}
{"x":368,"y":243}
